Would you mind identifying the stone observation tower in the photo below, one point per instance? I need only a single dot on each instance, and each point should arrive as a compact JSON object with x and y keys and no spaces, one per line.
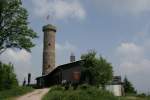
{"x":48,"y":48}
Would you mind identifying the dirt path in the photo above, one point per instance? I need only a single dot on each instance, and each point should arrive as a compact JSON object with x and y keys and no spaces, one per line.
{"x":35,"y":95}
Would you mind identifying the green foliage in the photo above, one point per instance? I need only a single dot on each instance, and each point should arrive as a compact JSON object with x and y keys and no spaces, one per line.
{"x":128,"y":87}
{"x":57,"y":87}
{"x":96,"y":70}
{"x":8,"y":78}
{"x":90,"y":93}
{"x":14,"y":30}
{"x":84,"y":86}
{"x":133,"y":98}
{"x":85,"y":92}
{"x":141,"y":95}
{"x":17,"y":91}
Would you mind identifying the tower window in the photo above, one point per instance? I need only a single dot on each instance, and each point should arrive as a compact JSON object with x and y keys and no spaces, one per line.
{"x":49,"y":66}
{"x":49,"y":44}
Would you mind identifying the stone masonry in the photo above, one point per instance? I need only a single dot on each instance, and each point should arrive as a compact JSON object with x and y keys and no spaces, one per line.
{"x":48,"y":48}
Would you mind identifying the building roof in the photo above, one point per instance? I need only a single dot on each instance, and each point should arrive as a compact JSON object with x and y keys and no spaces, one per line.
{"x":49,"y":27}
{"x":116,"y":80}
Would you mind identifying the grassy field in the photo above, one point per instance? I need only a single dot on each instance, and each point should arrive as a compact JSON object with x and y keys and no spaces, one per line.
{"x":82,"y":93}
{"x":133,"y":98}
{"x":85,"y":93}
{"x":8,"y":94}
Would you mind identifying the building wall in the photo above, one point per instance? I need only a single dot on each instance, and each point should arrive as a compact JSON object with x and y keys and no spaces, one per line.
{"x":68,"y":74}
{"x":115,"y":89}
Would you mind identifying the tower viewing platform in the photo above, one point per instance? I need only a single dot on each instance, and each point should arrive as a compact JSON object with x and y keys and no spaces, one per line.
{"x":49,"y":27}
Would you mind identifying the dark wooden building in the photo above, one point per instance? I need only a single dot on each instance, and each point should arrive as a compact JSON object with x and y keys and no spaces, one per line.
{"x":70,"y":72}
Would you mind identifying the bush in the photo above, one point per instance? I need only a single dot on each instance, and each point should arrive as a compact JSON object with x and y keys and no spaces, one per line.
{"x":141,"y":95}
{"x":84,"y":92}
{"x":84,"y":86}
{"x":55,"y":95}
{"x":14,"y":92}
{"x":57,"y":87}
{"x":8,"y":78}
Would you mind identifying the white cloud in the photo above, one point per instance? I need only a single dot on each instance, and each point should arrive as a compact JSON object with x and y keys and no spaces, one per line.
{"x":134,"y":68}
{"x":131,"y":57}
{"x":133,"y":7}
{"x":66,"y":47}
{"x":11,"y":55}
{"x":134,"y":63}
{"x":130,"y":51}
{"x":58,"y":9}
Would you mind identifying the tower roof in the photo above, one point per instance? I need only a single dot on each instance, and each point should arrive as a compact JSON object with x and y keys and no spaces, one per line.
{"x":49,"y":27}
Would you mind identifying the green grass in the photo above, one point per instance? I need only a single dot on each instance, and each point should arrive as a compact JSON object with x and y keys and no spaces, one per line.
{"x":11,"y":93}
{"x":134,"y":98}
{"x":85,"y":93}
{"x":82,"y":93}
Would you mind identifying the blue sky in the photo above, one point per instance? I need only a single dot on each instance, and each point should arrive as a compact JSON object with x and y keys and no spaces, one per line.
{"x":116,"y":29}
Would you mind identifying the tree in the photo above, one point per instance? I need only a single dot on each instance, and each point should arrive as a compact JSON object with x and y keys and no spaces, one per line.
{"x":14,"y":30}
{"x":128,"y":87}
{"x":8,"y":78}
{"x":96,"y":70}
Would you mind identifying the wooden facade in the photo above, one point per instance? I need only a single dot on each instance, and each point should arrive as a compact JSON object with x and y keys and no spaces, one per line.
{"x":70,"y":73}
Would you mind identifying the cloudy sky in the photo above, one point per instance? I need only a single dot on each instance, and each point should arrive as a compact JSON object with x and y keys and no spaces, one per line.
{"x":116,"y":29}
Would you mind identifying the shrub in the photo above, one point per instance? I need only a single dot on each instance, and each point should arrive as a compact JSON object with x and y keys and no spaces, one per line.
{"x":84,"y":92}
{"x":84,"y":86}
{"x":57,"y":87}
{"x":8,"y":78}
{"x":141,"y":95}
{"x":54,"y":95}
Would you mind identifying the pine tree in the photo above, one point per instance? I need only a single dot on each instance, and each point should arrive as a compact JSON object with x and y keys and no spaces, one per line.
{"x":128,"y":87}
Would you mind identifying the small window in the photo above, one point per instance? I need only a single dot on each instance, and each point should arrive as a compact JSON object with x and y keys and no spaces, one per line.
{"x":49,"y":44}
{"x":49,"y":66}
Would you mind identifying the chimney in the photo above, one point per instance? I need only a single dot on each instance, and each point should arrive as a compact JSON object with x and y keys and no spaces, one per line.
{"x":72,"y":57}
